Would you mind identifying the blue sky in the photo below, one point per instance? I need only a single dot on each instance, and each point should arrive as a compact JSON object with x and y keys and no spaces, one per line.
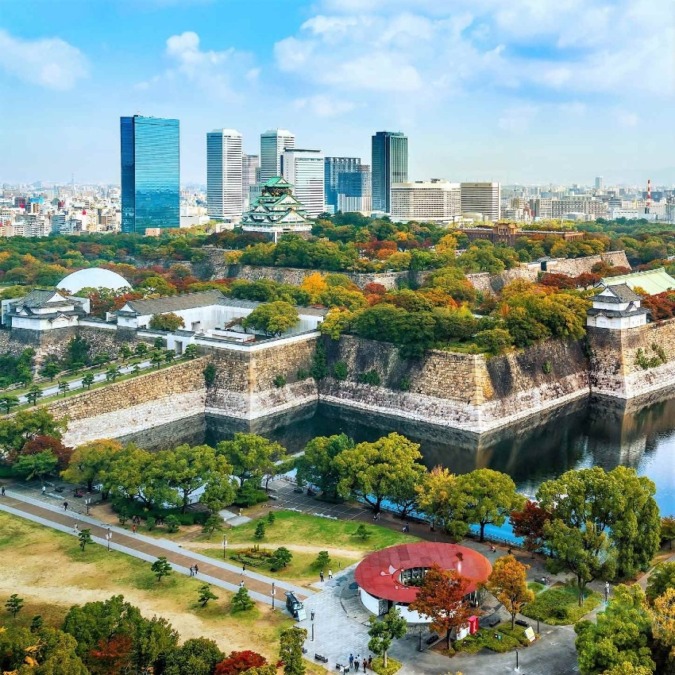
{"x":517,"y":91}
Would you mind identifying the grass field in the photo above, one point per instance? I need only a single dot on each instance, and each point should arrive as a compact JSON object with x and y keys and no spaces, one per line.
{"x":48,"y":570}
{"x":559,"y":606}
{"x":500,"y":639}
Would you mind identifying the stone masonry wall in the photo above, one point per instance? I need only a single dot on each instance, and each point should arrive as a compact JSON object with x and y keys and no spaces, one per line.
{"x":614,"y":364}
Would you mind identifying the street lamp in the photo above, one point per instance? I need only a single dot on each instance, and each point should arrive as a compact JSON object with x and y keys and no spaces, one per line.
{"x":224,"y":547}
{"x":273,"y":593}
{"x":517,"y":663}
{"x":311,"y":616}
{"x":108,"y":536}
{"x":86,"y":504}
{"x":606,"y":592}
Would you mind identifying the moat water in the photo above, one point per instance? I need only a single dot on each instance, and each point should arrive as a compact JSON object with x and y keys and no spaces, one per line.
{"x":590,"y":432}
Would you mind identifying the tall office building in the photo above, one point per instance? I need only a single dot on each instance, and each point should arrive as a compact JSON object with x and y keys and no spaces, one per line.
{"x":483,"y":198}
{"x":304,"y":170}
{"x":433,"y":200}
{"x":272,"y":145}
{"x":224,"y":194}
{"x":390,"y":165}
{"x":250,"y":178}
{"x":334,"y":168}
{"x":599,"y":182}
{"x":150,"y":149}
{"x":354,"y":191}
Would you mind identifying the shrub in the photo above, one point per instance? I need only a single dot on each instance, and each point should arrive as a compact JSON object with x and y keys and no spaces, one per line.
{"x":404,"y":384}
{"x":239,"y":662}
{"x":371,"y":377}
{"x":172,"y":523}
{"x":151,"y":522}
{"x":361,"y":532}
{"x":259,"y":530}
{"x":209,"y":374}
{"x":168,"y":322}
{"x":546,"y":367}
{"x":271,"y":518}
{"x":322,"y":560}
{"x":302,"y":374}
{"x":241,"y":601}
{"x":279,"y":381}
{"x":249,"y":494}
{"x":340,"y":370}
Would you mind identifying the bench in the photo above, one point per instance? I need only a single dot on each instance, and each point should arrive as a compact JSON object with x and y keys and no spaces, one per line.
{"x":321,"y":657}
{"x":490,"y":621}
{"x":431,"y":639}
{"x":521,"y":622}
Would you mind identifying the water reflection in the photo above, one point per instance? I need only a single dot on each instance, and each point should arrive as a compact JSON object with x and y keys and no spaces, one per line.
{"x":593,"y":431}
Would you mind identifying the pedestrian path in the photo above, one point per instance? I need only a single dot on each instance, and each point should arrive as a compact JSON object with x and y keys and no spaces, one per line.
{"x":221,"y":574}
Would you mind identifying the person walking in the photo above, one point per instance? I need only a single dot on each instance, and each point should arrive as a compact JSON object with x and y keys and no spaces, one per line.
{"x":243,"y":567}
{"x":2,"y":491}
{"x":44,"y":489}
{"x":370,"y":661}
{"x":65,"y":506}
{"x":196,"y":569}
{"x":364,"y":663}
{"x":330,"y":574}
{"x":241,"y":584}
{"x":192,"y":572}
{"x":76,"y":529}
{"x":351,"y":661}
{"x":133,"y":528}
{"x":321,"y":579}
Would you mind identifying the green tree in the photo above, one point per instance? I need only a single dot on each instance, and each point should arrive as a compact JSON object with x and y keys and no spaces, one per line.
{"x":383,"y":632}
{"x":259,"y":531}
{"x":27,"y":425}
{"x":290,"y":650}
{"x":206,"y":594}
{"x":317,"y":465}
{"x":440,"y":497}
{"x":210,"y":373}
{"x":191,"y":352}
{"x":88,"y":380}
{"x":322,"y":560}
{"x":241,"y":601}
{"x":495,"y":340}
{"x":362,"y":532}
{"x":8,"y":401}
{"x":125,"y":352}
{"x":90,"y":461}
{"x":251,"y":456}
{"x":156,"y":358}
{"x":34,"y":393}
{"x":620,"y":635}
{"x":141,"y":349}
{"x":112,"y":373}
{"x":64,"y":386}
{"x":273,"y":318}
{"x":161,"y":568}
{"x":212,"y":524}
{"x":660,"y":580}
{"x":281,"y":558}
{"x":668,"y":530}
{"x":37,"y":466}
{"x":14,"y":605}
{"x":169,"y":355}
{"x":488,"y":498}
{"x":156,"y":285}
{"x":319,"y":369}
{"x":51,"y":369}
{"x":197,"y":656}
{"x":373,"y":471}
{"x":85,"y":538}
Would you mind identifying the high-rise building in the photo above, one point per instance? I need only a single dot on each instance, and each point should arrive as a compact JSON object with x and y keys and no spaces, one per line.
{"x":224,"y":169}
{"x":599,"y":183}
{"x":272,"y":146}
{"x":334,"y":168}
{"x":433,"y":200}
{"x":250,"y":177}
{"x":483,"y":198}
{"x":304,"y":169}
{"x":390,"y":165}
{"x":150,"y":149}
{"x":354,"y":191}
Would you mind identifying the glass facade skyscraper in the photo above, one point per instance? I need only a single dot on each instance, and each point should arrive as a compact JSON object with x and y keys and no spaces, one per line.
{"x":390,"y":165}
{"x":334,"y":168}
{"x":150,"y":149}
{"x":272,"y":146}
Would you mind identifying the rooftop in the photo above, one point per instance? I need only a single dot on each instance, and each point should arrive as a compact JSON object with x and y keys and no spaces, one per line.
{"x":621,"y":293}
{"x":174,"y":303}
{"x":651,"y":281}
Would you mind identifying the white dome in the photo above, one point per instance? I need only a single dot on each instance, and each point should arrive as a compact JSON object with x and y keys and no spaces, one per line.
{"x":94,"y":277}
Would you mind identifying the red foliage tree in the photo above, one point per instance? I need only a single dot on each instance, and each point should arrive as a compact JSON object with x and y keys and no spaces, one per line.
{"x":529,"y":523}
{"x":661,"y":306}
{"x":41,"y":443}
{"x":442,"y":598}
{"x":374,"y":289}
{"x":554,"y":280}
{"x":238,"y":662}
{"x":112,"y":656}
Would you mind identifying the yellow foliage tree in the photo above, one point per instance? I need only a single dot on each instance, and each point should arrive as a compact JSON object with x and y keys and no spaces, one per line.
{"x":663,"y":621}
{"x":508,"y":583}
{"x":314,"y":284}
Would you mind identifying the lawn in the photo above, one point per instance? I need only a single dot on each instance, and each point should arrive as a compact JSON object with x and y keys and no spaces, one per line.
{"x":48,"y":570}
{"x":559,"y":606}
{"x":500,"y":639}
{"x":536,"y":587}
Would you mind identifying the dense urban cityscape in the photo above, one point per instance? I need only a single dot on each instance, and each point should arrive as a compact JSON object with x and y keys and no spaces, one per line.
{"x":327,"y":398}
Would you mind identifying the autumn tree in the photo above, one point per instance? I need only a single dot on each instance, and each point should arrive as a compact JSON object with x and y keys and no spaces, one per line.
{"x":374,"y":471}
{"x":240,"y":662}
{"x":663,"y":625}
{"x":488,"y":498}
{"x":439,"y":497}
{"x":314,"y":284}
{"x":660,"y":580}
{"x":668,"y":530}
{"x":273,"y":318}
{"x":441,"y":597}
{"x":528,"y":523}
{"x":508,"y":583}
{"x":384,"y":631}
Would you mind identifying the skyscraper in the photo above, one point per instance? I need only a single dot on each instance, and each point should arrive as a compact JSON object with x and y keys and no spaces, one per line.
{"x":272,"y":145}
{"x":334,"y":167}
{"x":304,"y":169}
{"x":224,"y":173}
{"x":150,"y":149}
{"x":390,"y":165}
{"x":250,"y":176}
{"x":599,"y":183}
{"x":354,"y":191}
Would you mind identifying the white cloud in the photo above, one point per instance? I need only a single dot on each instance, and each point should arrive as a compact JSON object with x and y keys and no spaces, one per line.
{"x":626,"y":118}
{"x":517,"y":119}
{"x":47,"y":62}
{"x":324,"y":106}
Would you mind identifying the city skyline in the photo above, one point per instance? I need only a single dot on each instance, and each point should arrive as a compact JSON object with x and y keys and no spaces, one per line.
{"x":487,"y":93}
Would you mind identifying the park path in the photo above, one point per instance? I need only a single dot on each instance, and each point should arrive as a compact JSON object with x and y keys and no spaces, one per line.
{"x":215,"y":572}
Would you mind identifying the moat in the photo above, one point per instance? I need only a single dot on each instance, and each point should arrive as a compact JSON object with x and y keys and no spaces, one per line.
{"x":590,"y":432}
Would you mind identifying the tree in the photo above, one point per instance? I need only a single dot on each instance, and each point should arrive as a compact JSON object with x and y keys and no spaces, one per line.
{"x":508,"y":583}
{"x":373,"y":471}
{"x":26,"y":425}
{"x":240,"y":662}
{"x":141,"y":349}
{"x":529,"y":524}
{"x":33,"y":394}
{"x":14,"y":605}
{"x":660,"y":580}
{"x":494,"y":340}
{"x":209,"y":373}
{"x":64,"y":386}
{"x":169,"y":355}
{"x":8,"y":401}
{"x":36,"y":466}
{"x":51,"y":369}
{"x":85,"y":538}
{"x":383,"y":632}
{"x":318,"y":467}
{"x":489,"y":497}
{"x":125,"y":352}
{"x":259,"y":531}
{"x":322,"y":560}
{"x":251,"y":456}
{"x":663,"y":624}
{"x":281,"y":558}
{"x":439,"y":497}
{"x":441,"y":598}
{"x":112,"y":373}
{"x":191,"y":352}
{"x":620,"y":634}
{"x":90,"y":461}
{"x":668,"y":530}
{"x":156,"y":358}
{"x":241,"y":601}
{"x":88,"y":380}
{"x":362,"y":532}
{"x":272,"y":318}
{"x":161,"y":568}
{"x":290,"y":650}
{"x":212,"y":523}
{"x":206,"y":594}
{"x":197,"y":656}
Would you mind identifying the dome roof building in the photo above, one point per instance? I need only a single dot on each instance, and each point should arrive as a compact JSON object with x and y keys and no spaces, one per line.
{"x":93,"y":277}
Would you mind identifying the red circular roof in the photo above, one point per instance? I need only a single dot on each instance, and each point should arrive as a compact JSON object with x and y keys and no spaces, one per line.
{"x":380,"y":573}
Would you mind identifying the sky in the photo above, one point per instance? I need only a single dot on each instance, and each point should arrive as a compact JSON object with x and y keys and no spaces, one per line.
{"x":520,"y":91}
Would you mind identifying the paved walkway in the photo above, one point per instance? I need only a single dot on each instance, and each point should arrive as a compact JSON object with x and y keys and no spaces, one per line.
{"x":221,"y":574}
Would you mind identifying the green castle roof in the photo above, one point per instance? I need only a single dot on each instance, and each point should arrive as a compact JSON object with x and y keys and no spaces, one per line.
{"x":651,"y":281}
{"x":277,"y":181}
